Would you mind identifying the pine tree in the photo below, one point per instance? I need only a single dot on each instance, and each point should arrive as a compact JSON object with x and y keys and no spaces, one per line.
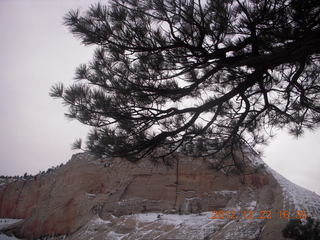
{"x":168,"y":72}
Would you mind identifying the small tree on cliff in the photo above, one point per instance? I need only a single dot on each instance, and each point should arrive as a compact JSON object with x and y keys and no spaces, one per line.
{"x":168,"y":72}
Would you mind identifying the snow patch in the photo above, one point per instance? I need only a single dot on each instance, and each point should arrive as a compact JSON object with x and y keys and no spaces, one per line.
{"x":175,"y":219}
{"x":5,"y":237}
{"x":225,"y":192}
{"x":251,"y":205}
{"x":100,"y":221}
{"x":115,"y":236}
{"x":91,"y":195}
{"x":5,"y":222}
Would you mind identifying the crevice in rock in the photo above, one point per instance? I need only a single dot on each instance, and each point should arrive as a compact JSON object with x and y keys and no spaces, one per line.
{"x":18,"y":199}
{"x":2,"y":197}
{"x":126,"y":187}
{"x":177,"y":183}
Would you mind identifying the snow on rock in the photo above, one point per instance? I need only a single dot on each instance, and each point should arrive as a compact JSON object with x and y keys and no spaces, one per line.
{"x":153,"y":225}
{"x":191,"y":226}
{"x":298,"y":198}
{"x":7,"y":180}
{"x":295,"y":198}
{"x":251,"y":205}
{"x":225,"y":192}
{"x":247,"y":229}
{"x":6,"y":222}
{"x":5,"y":237}
{"x":253,"y":157}
{"x":156,"y":225}
{"x":99,"y":221}
{"x":175,"y":219}
{"x":91,"y":195}
{"x":219,"y":192}
{"x":115,"y":236}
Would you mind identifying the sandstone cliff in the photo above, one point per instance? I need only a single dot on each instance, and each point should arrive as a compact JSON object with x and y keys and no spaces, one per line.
{"x":92,"y":198}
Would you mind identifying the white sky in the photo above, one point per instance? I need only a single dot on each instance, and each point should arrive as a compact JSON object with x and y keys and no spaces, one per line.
{"x":37,"y":51}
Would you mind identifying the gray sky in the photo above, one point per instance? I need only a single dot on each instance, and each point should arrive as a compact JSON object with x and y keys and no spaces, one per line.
{"x":37,"y":51}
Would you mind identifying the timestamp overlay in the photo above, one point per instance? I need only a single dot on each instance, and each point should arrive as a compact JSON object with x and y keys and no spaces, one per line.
{"x":261,"y":214}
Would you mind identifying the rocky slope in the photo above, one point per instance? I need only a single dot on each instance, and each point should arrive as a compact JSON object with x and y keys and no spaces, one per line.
{"x":91,"y":198}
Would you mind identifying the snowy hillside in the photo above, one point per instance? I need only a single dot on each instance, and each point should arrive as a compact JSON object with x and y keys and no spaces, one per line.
{"x":295,"y":198}
{"x":298,"y":198}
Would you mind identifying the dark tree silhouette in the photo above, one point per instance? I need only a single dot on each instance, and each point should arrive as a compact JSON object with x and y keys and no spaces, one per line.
{"x":298,"y":230}
{"x":168,"y":73}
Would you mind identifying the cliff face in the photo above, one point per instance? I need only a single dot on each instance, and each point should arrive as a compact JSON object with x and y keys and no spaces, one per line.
{"x":104,"y":194}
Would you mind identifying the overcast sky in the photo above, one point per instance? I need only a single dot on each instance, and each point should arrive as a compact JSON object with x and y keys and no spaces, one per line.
{"x":37,"y":51}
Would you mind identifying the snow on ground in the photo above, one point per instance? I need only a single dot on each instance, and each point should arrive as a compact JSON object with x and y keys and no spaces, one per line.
{"x":175,"y":219}
{"x":190,"y":226}
{"x":154,"y":225}
{"x":5,"y":237}
{"x":115,"y":236}
{"x":5,"y":222}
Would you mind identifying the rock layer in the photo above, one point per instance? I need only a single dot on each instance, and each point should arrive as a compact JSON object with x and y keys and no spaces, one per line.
{"x":67,"y":200}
